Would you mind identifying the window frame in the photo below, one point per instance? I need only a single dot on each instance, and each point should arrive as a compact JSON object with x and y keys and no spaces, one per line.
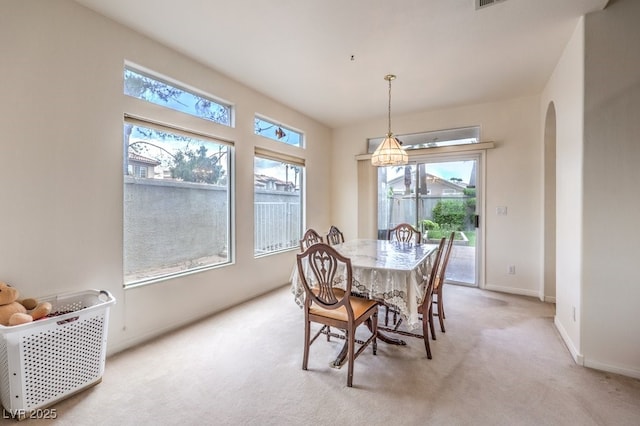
{"x":174,"y":84}
{"x":140,"y":112}
{"x":289,"y":160}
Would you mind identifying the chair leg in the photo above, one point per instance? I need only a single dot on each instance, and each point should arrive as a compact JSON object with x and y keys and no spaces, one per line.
{"x":441,"y":307}
{"x":441,"y":314}
{"x":441,"y":310}
{"x":351,"y":345}
{"x":431,"y":326}
{"x":374,"y":330}
{"x":425,"y":334}
{"x":307,"y":335}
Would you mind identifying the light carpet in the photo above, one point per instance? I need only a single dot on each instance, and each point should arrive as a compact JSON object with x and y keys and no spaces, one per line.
{"x":500,"y":362}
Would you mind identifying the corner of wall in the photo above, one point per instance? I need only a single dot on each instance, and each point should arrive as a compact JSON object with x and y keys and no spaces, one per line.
{"x":578,"y":358}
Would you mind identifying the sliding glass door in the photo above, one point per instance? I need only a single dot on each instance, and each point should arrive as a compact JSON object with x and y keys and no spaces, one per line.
{"x":437,"y":196}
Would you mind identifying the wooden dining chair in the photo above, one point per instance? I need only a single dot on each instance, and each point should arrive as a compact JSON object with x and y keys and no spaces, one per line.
{"x":425,"y":304}
{"x":309,"y":238}
{"x":404,"y":233}
{"x":334,"y":236}
{"x":438,"y":302}
{"x":319,"y":266}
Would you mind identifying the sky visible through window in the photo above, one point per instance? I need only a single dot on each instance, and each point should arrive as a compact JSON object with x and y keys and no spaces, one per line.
{"x":161,"y":93}
{"x":444,"y":170}
{"x":277,"y":132}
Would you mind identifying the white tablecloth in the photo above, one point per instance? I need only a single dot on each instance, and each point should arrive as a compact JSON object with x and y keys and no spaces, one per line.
{"x":388,"y":271}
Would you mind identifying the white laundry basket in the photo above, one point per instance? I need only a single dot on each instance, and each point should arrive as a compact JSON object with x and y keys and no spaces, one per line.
{"x":50,"y":359}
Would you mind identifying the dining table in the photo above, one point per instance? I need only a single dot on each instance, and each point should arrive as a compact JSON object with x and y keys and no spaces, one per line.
{"x":390,"y":272}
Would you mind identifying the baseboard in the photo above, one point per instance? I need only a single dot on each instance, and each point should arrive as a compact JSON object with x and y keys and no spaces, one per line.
{"x":512,"y":290}
{"x":629,"y":372}
{"x":144,"y":337}
{"x":550,"y":299}
{"x":590,"y":363}
{"x":578,"y":358}
{"x":125,"y":344}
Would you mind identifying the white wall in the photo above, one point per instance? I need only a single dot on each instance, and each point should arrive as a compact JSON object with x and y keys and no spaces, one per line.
{"x":549,"y":202}
{"x":513,"y":179}
{"x":611,"y":287}
{"x":61,"y":168}
{"x":565,"y":90}
{"x":596,"y":91}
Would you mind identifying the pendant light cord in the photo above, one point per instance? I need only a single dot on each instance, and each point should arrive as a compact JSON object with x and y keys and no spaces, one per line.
{"x":389,"y":77}
{"x":390,"y":151}
{"x":389,"y":109}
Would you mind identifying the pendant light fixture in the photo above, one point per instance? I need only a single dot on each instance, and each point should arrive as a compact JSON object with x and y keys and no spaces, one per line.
{"x":390,"y":151}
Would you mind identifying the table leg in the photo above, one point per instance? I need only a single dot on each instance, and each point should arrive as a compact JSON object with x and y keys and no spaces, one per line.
{"x":387,"y":339}
{"x":341,"y":357}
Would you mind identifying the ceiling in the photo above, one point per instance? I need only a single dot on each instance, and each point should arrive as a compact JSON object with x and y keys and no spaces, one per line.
{"x":328,"y":58}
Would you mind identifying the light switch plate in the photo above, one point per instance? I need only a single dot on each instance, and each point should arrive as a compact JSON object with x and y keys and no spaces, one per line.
{"x":501,"y":210}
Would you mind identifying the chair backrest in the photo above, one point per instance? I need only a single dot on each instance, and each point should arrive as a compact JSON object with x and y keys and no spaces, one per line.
{"x":442,"y":269}
{"x":430,"y":279}
{"x":310,"y":238}
{"x":334,"y":236}
{"x":405,"y":233}
{"x":320,"y":268}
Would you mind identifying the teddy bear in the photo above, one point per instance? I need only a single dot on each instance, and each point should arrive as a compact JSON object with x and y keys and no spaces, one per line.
{"x":15,"y":312}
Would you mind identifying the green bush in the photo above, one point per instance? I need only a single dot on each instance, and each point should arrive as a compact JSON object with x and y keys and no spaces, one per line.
{"x":429,"y":225}
{"x":450,"y":214}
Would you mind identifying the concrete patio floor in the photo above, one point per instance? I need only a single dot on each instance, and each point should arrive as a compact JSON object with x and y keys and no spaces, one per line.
{"x":462,"y":265}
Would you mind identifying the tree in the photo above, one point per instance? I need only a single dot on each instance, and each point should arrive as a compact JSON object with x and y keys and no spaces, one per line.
{"x":407,"y":180}
{"x":142,"y":87}
{"x":196,"y":166}
{"x":422,"y":185}
{"x":162,"y":93}
{"x":156,"y":91}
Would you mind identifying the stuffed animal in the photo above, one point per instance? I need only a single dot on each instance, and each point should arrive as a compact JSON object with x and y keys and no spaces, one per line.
{"x":15,"y":312}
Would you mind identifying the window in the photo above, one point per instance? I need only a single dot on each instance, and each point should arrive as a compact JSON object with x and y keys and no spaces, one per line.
{"x":271,"y":130}
{"x":152,"y":90}
{"x":139,"y":171}
{"x":433,"y":139}
{"x":177,"y":198}
{"x":177,"y":220}
{"x":277,"y":202}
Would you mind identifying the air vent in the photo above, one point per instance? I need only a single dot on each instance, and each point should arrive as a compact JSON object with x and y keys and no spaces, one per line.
{"x":481,"y":4}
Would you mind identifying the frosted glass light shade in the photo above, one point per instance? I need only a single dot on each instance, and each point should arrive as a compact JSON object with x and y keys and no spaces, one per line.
{"x":389,"y":153}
